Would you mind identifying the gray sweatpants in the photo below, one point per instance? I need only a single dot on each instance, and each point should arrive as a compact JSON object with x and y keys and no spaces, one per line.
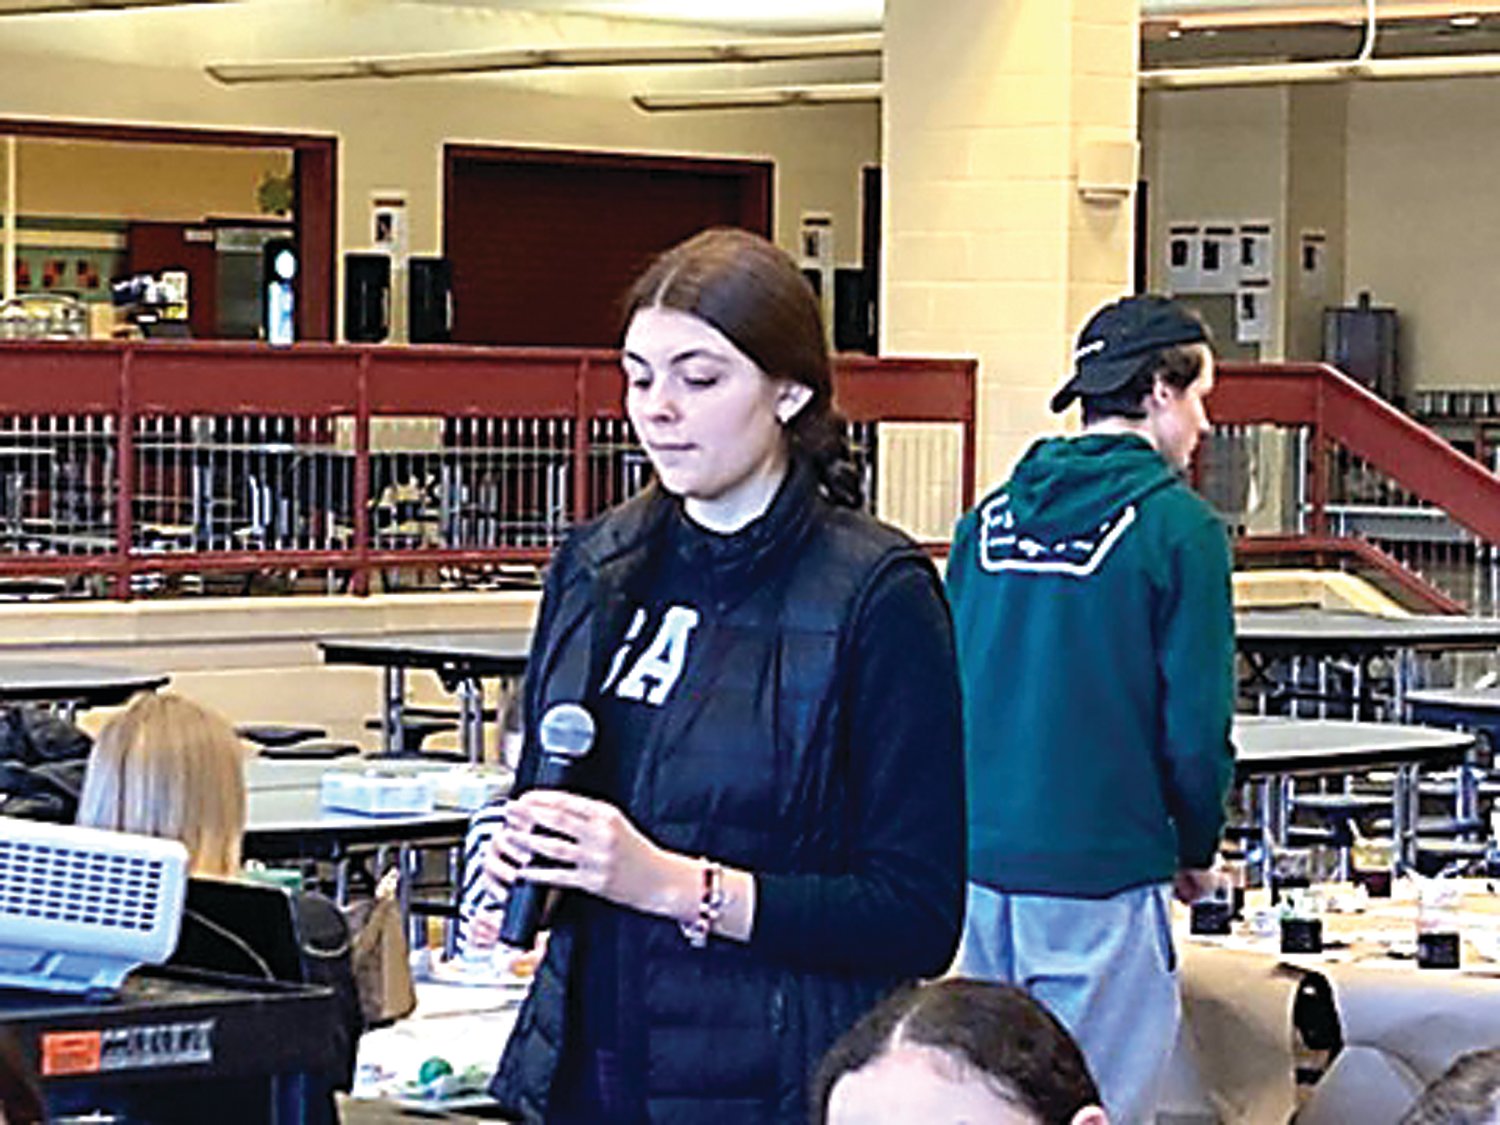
{"x":1104,"y":967}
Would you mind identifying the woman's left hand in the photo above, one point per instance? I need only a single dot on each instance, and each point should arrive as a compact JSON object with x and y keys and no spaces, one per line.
{"x":601,"y":851}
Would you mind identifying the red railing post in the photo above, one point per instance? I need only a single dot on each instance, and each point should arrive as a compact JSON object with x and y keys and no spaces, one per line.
{"x":581,"y":442}
{"x":323,"y":387}
{"x":125,"y":498}
{"x":1318,"y":453}
{"x":359,"y":580}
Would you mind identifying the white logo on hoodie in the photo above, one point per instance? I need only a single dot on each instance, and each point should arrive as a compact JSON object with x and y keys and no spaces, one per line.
{"x":1003,"y":548}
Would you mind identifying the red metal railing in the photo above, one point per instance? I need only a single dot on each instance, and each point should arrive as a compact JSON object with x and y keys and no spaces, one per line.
{"x":1343,"y":553}
{"x":145,"y":464}
{"x":1360,"y":466}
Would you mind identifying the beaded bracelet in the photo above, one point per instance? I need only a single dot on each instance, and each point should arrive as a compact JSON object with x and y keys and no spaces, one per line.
{"x":710,"y":907}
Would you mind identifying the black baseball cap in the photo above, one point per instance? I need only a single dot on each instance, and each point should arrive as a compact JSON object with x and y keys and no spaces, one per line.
{"x":1122,"y":336}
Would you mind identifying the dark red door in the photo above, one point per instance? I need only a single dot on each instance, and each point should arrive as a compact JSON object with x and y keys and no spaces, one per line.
{"x":543,"y":245}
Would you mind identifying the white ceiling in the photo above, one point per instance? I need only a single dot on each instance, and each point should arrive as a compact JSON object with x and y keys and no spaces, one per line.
{"x":759,"y":16}
{"x":195,"y":32}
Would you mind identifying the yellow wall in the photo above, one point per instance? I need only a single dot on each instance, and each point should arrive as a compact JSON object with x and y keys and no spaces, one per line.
{"x":1214,"y":155}
{"x":990,"y":250}
{"x":392,"y":133}
{"x":1402,"y":178}
{"x":1424,"y":227}
{"x":1316,"y":174}
{"x":183,"y":183}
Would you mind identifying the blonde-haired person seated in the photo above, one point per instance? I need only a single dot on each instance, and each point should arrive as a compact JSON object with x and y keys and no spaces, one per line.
{"x":169,"y":767}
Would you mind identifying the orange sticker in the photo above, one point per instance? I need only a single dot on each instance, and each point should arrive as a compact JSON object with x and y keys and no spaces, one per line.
{"x":70,"y":1052}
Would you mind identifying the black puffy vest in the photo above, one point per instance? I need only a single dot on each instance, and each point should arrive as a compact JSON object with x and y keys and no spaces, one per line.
{"x":745,"y":768}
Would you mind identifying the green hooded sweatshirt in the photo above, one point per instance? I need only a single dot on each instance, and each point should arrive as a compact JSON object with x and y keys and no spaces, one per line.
{"x":1092,"y":604}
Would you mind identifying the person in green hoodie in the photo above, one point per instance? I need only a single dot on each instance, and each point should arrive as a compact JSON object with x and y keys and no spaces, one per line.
{"x":1091,"y":601}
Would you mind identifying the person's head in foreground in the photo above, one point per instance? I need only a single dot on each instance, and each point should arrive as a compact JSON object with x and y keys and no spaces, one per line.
{"x":1468,"y":1093}
{"x":20,"y":1097}
{"x":957,"y":1052}
{"x":169,"y":767}
{"x":1144,"y":364}
{"x":728,"y":375}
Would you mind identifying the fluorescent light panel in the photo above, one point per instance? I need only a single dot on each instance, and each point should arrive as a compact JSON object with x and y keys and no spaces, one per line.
{"x":765,"y":97}
{"x":1275,"y":74}
{"x":52,"y":7}
{"x":1191,"y":16}
{"x":781,"y":49}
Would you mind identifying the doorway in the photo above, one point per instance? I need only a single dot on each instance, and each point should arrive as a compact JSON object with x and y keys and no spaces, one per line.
{"x":313,"y":160}
{"x":543,"y":243}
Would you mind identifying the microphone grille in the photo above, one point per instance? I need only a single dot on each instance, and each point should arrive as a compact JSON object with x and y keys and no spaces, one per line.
{"x":566,"y":729}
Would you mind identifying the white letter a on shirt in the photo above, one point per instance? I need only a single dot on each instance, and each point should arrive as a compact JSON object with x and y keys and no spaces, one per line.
{"x":654,"y":675}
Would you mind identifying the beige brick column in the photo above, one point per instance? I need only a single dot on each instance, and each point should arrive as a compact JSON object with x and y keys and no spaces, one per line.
{"x":990,"y":249}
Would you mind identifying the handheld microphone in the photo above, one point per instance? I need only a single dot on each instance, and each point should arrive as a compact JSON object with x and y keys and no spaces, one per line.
{"x":566,"y":733}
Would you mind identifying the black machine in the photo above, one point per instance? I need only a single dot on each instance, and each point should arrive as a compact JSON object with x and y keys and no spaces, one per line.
{"x":367,"y":298}
{"x":1361,"y":342}
{"x":429,"y":316}
{"x":853,"y":311}
{"x":248,"y":929}
{"x":180,"y":1047}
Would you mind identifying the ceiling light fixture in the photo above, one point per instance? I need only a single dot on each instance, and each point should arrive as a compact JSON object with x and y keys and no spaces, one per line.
{"x":766,"y":97}
{"x":1192,"y":14}
{"x":778,"y":49}
{"x":1277,"y":74}
{"x":52,"y":7}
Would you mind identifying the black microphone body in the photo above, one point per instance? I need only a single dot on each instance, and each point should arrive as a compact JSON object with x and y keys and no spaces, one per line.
{"x":566,"y":733}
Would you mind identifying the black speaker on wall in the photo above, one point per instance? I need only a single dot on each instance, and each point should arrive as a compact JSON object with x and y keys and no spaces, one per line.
{"x":429,"y":310}
{"x":852,"y":308}
{"x":367,"y":298}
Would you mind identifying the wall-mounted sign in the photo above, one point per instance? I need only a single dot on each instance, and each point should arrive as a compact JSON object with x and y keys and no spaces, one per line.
{"x":1252,"y":313}
{"x":1217,"y":268}
{"x":388,"y":223}
{"x":1182,"y":258}
{"x":1312,"y":264}
{"x":1254,"y":252}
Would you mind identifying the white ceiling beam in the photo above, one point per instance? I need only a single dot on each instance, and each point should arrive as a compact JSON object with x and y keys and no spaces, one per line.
{"x":776,"y":49}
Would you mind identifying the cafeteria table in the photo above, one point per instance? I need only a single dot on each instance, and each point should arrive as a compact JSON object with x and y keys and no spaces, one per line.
{"x":287,"y":821}
{"x":1400,"y":1026}
{"x":1475,"y":709}
{"x":461,"y":660}
{"x":464,"y":1016}
{"x":1271,"y":750}
{"x":292,"y":823}
{"x":72,"y":685}
{"x":1263,"y":636}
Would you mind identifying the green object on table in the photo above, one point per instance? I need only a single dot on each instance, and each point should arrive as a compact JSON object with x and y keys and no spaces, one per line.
{"x":287,"y":878}
{"x":433,"y":1069}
